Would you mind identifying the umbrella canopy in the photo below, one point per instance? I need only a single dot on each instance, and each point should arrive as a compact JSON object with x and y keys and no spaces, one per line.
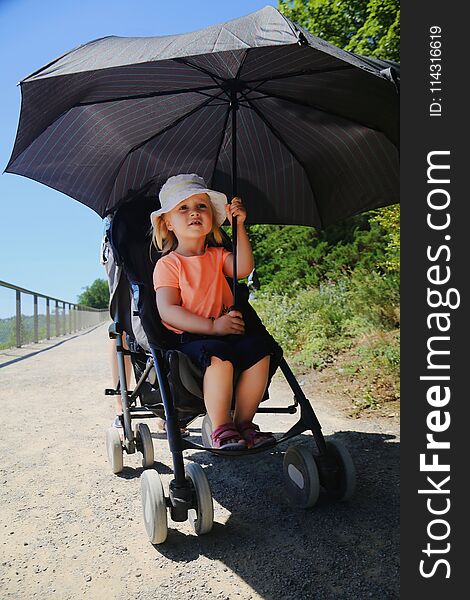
{"x":316,"y":127}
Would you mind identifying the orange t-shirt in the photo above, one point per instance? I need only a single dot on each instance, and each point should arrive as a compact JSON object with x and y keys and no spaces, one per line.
{"x":200,"y":279}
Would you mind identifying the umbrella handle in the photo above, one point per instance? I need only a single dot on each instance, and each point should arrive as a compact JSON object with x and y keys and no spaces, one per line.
{"x":234,"y":108}
{"x":234,"y":248}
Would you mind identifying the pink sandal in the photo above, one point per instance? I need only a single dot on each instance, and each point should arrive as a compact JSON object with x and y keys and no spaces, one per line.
{"x":253,"y":436}
{"x":227,"y":437}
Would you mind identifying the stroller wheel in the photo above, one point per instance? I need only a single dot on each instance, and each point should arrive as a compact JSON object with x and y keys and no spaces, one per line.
{"x":206,"y":430}
{"x":301,"y":477}
{"x":144,"y":444}
{"x":346,"y":483}
{"x":114,"y":449}
{"x":201,"y":516}
{"x":154,"y":507}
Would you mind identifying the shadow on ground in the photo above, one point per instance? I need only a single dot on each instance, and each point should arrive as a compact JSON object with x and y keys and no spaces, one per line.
{"x":344,"y":550}
{"x":24,"y":351}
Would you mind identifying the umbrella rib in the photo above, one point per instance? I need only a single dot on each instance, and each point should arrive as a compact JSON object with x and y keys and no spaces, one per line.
{"x":225,"y":101}
{"x":177,"y":122}
{"x":152,"y":95}
{"x":201,"y":69}
{"x":165,"y":129}
{"x":213,"y":76}
{"x":242,"y":62}
{"x":319,"y":108}
{"x":298,"y":74}
{"x":224,"y":129}
{"x":288,"y":148}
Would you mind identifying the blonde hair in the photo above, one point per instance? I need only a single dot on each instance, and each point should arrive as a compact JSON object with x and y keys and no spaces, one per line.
{"x":166,"y":241}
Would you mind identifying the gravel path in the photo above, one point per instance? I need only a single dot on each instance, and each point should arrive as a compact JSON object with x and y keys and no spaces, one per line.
{"x":71,"y":529}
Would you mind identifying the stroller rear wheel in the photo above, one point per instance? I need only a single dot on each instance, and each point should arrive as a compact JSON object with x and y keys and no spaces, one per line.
{"x":144,"y":444}
{"x":154,"y":507}
{"x":346,"y":480}
{"x":114,"y":450}
{"x":301,"y":477}
{"x":201,"y":516}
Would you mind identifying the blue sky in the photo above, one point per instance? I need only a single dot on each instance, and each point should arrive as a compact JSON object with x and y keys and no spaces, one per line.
{"x":49,"y":242}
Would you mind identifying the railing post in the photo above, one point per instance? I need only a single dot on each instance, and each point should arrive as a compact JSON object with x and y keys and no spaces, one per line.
{"x":57,"y":332}
{"x":48,"y":319}
{"x":18,"y":319}
{"x":79,"y":317}
{"x":36,"y":332}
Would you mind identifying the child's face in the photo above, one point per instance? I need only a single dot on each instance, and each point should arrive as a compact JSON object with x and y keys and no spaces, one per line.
{"x":191,"y":218}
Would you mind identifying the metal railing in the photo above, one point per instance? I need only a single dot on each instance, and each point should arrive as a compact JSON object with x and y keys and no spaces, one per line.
{"x":48,"y":317}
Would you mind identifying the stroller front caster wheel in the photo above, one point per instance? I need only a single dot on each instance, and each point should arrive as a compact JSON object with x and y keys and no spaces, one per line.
{"x":144,"y":444}
{"x":346,"y":478}
{"x":201,"y":516}
{"x":154,"y":507}
{"x":114,"y":450}
{"x":301,"y":477}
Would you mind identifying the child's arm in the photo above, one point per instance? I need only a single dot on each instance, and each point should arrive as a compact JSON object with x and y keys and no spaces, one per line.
{"x":168,"y":303}
{"x":245,"y":262}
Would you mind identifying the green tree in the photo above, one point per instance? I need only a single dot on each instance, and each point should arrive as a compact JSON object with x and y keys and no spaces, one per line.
{"x":288,"y":258}
{"x":369,"y":27}
{"x":372,"y":28}
{"x":95,"y":295}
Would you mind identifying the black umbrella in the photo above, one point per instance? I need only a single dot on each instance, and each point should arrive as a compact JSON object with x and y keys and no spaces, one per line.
{"x":305,"y":132}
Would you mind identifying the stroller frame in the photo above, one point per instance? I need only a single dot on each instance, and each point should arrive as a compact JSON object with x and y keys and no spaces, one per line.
{"x":328,"y":466}
{"x":180,"y":491}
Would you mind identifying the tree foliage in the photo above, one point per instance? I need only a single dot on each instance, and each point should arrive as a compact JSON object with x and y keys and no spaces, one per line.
{"x":290,"y":257}
{"x":389,"y":220}
{"x":369,"y":27}
{"x":324,"y":292}
{"x":95,"y":295}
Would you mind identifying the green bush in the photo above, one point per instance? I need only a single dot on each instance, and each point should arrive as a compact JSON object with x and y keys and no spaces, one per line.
{"x":291,"y":257}
{"x":374,"y":300}
{"x":317,"y":323}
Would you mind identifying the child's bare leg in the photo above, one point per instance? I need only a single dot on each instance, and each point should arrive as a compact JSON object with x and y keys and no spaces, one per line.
{"x":218,"y":391}
{"x":250,"y":390}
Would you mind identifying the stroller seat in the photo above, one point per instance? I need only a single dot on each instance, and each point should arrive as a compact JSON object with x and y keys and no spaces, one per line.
{"x":169,"y":385}
{"x":133,"y":306}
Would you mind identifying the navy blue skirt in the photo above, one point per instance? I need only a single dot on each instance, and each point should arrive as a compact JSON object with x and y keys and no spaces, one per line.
{"x":243,"y":351}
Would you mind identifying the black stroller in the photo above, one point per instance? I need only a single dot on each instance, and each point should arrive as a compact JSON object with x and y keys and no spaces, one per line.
{"x":169,"y":386}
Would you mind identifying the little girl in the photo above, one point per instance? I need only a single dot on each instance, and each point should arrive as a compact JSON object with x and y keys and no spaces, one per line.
{"x":194,"y":301}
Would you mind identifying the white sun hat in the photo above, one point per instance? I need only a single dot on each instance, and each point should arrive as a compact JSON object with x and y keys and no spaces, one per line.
{"x":179,"y":187}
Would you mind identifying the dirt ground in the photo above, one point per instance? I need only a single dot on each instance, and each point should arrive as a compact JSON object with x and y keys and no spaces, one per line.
{"x":71,"y":529}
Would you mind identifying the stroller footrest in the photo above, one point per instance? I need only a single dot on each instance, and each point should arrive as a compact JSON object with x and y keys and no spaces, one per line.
{"x":148,"y":408}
